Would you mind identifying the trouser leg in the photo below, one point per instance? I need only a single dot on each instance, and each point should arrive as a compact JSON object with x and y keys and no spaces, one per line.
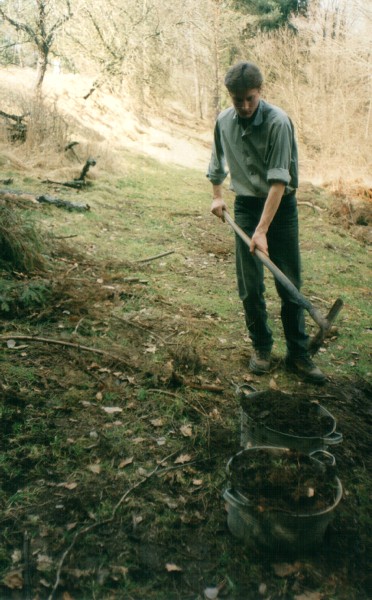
{"x":284,"y":252}
{"x":251,"y":286}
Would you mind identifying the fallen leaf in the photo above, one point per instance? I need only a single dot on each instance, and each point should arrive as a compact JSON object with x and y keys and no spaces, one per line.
{"x":11,"y":343}
{"x":16,"y":556}
{"x":197,"y":481}
{"x":157,"y":422}
{"x":309,"y":596}
{"x":171,"y":567}
{"x":286,"y":569}
{"x":67,"y":596}
{"x":182,"y":458}
{"x":110,"y":410}
{"x":93,"y":365}
{"x":262,"y":589}
{"x":211,"y":593}
{"x":44,"y":562}
{"x":69,"y":486}
{"x":170,"y":503}
{"x":151,"y":349}
{"x":13,"y":580}
{"x":186,"y":430}
{"x":99,"y":396}
{"x":120,"y":570}
{"x":125,"y":462}
{"x":94,"y":468}
{"x":272,"y":384}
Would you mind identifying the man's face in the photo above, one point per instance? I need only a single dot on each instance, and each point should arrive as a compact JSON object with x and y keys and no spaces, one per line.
{"x":245,"y":101}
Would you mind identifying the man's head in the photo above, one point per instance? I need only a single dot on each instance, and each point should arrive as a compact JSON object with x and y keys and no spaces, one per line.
{"x":244,"y":82}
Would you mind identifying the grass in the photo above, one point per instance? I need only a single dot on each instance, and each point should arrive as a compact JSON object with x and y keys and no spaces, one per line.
{"x":177,"y":324}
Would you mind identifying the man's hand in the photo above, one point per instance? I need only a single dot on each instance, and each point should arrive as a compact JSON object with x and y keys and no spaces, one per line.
{"x":217,"y":208}
{"x":259,"y":241}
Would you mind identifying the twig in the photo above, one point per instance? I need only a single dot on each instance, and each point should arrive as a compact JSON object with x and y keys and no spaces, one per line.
{"x":26,"y":568}
{"x":78,"y":325}
{"x":313,"y":206}
{"x":207,"y":387}
{"x":145,"y":260}
{"x":140,"y":327}
{"x":133,"y":280}
{"x":64,"y":237}
{"x":104,"y":522}
{"x":32,"y":338}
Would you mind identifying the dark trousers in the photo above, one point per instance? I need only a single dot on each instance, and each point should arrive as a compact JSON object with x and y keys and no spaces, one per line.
{"x":284,"y":251}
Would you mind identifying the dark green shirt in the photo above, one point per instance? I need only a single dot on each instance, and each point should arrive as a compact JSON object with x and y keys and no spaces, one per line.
{"x":255,"y":155}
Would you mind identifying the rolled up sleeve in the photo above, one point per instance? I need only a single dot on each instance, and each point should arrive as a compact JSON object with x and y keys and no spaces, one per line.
{"x":217,"y":170}
{"x":282,"y":152}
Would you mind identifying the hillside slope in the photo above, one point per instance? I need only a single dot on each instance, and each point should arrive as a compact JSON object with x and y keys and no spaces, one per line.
{"x":172,"y":136}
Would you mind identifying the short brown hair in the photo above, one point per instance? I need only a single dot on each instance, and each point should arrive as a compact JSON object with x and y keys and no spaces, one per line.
{"x":243,"y":76}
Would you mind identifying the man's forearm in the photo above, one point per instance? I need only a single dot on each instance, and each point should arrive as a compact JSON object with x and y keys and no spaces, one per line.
{"x":272,"y":203}
{"x":217,"y":191}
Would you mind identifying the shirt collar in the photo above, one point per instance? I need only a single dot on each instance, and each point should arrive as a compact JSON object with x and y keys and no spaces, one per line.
{"x":258,"y":117}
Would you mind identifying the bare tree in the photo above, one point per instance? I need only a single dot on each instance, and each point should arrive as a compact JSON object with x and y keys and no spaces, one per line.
{"x":45,"y":19}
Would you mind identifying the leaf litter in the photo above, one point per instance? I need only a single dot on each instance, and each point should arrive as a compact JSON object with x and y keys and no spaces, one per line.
{"x":135,"y":521}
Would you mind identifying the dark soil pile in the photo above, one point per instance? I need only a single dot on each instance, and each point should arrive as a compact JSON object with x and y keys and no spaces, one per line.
{"x":287,"y":413}
{"x":282,"y":480}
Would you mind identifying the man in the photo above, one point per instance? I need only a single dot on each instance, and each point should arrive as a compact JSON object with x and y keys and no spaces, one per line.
{"x":254,"y":141}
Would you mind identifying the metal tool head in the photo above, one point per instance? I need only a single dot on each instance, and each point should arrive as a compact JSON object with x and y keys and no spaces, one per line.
{"x":327,"y":322}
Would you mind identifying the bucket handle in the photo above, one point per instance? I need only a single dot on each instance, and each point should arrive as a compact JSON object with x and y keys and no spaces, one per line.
{"x":239,"y":389}
{"x":326,"y":458}
{"x":233,"y":500}
{"x":333,"y":438}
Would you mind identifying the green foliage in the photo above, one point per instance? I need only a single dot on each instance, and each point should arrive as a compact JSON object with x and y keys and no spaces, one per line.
{"x":271,"y":14}
{"x":21,"y":244}
{"x":18,"y":296}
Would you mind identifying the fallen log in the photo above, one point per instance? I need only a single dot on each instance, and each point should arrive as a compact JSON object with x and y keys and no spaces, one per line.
{"x":79,"y":182}
{"x":43,"y":199}
{"x":63,"y":203}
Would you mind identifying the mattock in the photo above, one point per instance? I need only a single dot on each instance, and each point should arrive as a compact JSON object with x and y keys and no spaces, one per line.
{"x":325,"y":323}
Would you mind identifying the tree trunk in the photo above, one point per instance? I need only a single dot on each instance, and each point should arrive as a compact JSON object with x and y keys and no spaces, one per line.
{"x":216,"y":31}
{"x":41,"y":70}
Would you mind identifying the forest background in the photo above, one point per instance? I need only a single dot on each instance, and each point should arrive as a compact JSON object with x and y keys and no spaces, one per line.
{"x":157,"y":58}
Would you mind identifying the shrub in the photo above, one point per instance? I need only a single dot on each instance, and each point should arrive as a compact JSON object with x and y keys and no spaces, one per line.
{"x":21,"y":245}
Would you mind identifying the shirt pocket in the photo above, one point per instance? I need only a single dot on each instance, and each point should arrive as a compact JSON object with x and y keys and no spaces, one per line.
{"x":257,"y":183}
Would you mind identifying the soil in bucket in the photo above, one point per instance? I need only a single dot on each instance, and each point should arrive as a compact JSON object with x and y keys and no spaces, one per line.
{"x":292,"y":414}
{"x":287,"y":481}
{"x":281,"y":500}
